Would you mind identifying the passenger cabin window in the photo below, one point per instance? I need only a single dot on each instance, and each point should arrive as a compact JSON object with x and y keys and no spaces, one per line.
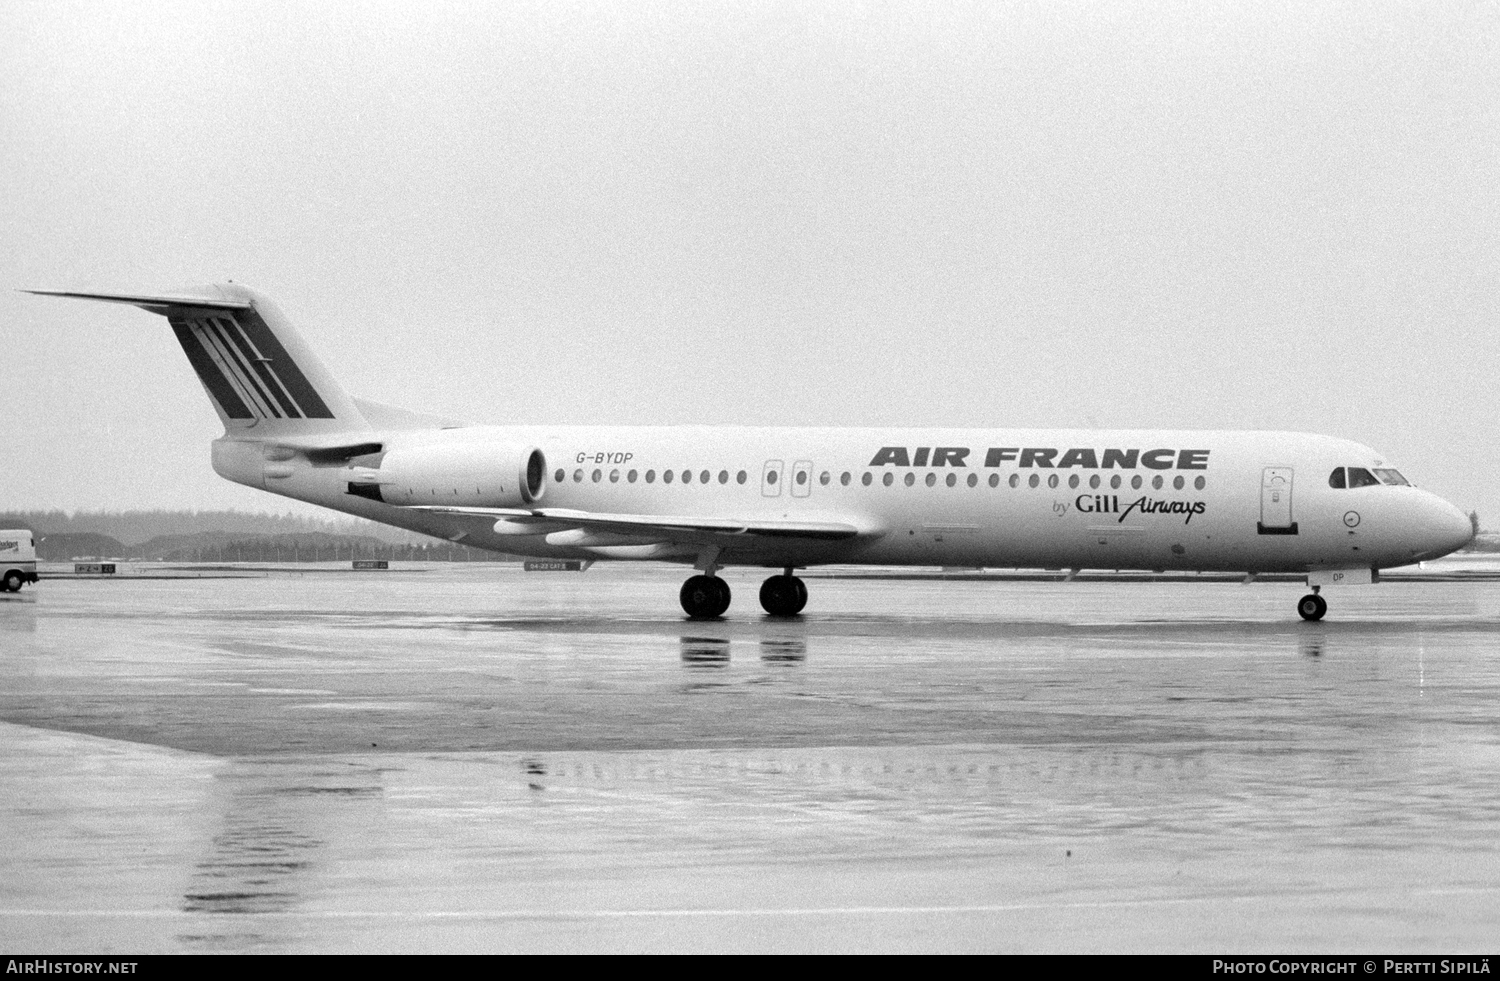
{"x":1360,"y":477}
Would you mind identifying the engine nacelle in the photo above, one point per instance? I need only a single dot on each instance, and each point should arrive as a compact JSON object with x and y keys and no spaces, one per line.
{"x":469,"y":474}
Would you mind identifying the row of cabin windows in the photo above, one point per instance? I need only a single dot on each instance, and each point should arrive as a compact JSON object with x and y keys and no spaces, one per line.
{"x":1035,"y":480}
{"x":1095,"y":481}
{"x":667,"y":476}
{"x":1344,"y":478}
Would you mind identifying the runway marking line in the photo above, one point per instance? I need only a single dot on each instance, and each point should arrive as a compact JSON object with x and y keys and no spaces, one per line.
{"x":664,"y":913}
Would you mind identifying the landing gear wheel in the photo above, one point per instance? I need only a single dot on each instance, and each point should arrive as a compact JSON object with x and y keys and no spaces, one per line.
{"x":783,"y":596}
{"x":12,"y":583}
{"x":1312,"y":607}
{"x":705,"y":597}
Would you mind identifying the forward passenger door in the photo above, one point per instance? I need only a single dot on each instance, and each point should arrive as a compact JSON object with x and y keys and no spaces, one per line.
{"x":1276,"y":502}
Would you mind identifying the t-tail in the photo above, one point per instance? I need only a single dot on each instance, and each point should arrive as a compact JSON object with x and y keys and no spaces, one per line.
{"x":265,"y":383}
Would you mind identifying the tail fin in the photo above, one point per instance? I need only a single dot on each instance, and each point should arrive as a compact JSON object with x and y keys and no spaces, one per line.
{"x":256,"y":369}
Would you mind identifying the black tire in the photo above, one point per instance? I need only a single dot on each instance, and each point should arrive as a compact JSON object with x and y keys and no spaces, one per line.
{"x":777,"y":597}
{"x":725,"y":596}
{"x":705,"y":597}
{"x":1312,"y":607}
{"x":12,"y":581}
{"x":783,"y":596}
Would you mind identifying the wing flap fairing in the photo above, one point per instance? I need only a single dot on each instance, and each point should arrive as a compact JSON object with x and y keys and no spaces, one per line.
{"x":649,"y":527}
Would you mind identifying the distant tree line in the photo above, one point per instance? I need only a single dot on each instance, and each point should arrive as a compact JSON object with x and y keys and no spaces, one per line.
{"x":136,"y":527}
{"x":228,"y":536}
{"x":218,"y":547}
{"x":329,"y":549}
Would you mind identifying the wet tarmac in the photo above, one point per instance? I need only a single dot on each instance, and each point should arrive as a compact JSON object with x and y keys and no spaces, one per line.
{"x":474,"y":758}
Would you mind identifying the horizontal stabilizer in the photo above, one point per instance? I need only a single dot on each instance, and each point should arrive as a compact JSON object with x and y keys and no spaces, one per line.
{"x":254,"y":366}
{"x":156,"y":302}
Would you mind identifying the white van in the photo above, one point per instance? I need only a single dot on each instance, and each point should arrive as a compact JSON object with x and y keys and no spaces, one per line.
{"x":17,"y":559}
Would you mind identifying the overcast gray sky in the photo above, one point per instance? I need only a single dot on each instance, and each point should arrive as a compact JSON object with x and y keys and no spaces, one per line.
{"x":1216,"y":215}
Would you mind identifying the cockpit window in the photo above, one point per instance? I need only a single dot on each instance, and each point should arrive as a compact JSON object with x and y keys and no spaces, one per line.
{"x":1392,"y":477}
{"x":1360,"y":477}
{"x":1336,"y":479}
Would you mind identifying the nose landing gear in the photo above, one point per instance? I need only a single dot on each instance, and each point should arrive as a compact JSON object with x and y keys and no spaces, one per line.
{"x":1312,"y":606}
{"x":784,"y":595}
{"x":705,"y":597}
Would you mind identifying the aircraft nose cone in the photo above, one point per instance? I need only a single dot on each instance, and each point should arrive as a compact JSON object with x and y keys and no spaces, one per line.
{"x":1460,"y":527}
{"x":1449,"y":529}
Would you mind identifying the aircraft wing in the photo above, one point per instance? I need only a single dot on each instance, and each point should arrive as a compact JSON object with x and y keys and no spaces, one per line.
{"x":651,"y":527}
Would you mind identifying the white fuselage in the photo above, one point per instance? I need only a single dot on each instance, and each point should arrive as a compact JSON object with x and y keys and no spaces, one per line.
{"x":784,"y":498}
{"x":1098,"y":499}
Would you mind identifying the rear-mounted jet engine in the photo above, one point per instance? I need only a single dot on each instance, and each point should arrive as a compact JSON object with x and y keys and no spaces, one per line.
{"x":487,"y":475}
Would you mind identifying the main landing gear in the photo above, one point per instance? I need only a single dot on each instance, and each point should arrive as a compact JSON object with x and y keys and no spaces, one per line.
{"x":706,"y":597}
{"x":1312,"y":606}
{"x":784,"y":595}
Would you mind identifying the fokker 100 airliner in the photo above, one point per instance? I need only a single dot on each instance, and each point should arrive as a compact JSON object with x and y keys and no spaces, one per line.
{"x":784,"y":498}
